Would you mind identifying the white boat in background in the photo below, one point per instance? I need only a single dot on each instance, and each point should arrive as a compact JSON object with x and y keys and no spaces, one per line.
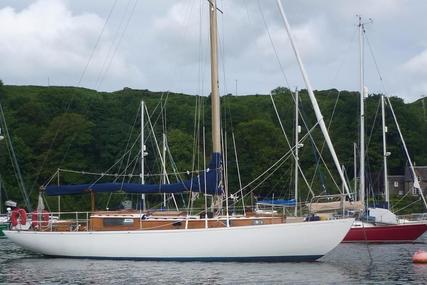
{"x":147,"y":236}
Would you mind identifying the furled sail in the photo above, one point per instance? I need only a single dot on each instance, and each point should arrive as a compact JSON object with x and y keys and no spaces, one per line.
{"x":208,"y":180}
{"x":278,"y":202}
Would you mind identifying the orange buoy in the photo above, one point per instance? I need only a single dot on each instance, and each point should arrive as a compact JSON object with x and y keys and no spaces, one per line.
{"x":420,"y":256}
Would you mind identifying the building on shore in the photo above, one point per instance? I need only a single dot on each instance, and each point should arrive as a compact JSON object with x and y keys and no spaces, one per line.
{"x":402,"y":184}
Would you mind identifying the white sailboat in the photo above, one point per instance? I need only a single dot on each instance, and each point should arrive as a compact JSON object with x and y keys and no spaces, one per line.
{"x":121,"y":235}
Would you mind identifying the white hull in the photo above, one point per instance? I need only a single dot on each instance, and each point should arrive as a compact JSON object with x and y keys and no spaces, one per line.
{"x":294,"y":241}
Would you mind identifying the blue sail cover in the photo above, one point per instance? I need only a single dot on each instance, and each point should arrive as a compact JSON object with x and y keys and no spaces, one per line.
{"x":212,"y":175}
{"x":278,"y":202}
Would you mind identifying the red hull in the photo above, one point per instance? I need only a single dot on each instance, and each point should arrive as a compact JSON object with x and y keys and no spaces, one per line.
{"x":386,"y":233}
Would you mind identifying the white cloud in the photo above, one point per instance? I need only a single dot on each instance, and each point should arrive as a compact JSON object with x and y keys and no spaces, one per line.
{"x":162,"y":48}
{"x":46,"y":39}
{"x":310,"y":39}
{"x":417,"y":64}
{"x":415,"y":67}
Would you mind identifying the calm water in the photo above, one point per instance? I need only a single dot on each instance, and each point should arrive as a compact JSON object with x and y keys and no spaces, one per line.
{"x":347,"y":264}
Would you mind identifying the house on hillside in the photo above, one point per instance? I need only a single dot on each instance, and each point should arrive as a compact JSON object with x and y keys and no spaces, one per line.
{"x":396,"y":184}
{"x":421,"y":172}
{"x":402,"y":184}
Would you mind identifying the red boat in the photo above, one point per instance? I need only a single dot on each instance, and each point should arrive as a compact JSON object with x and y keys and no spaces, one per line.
{"x":399,"y":233}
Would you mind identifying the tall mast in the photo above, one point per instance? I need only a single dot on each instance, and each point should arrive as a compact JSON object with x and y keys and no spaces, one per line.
{"x":164,"y":168}
{"x":313,"y":100}
{"x":362,"y":115}
{"x":216,"y":133}
{"x":355,"y":170}
{"x":416,"y":184}
{"x":142,"y":153}
{"x":385,"y":154}
{"x":297,"y":130}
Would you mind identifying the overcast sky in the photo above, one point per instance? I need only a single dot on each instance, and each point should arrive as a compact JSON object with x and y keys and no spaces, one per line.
{"x":163,"y":44}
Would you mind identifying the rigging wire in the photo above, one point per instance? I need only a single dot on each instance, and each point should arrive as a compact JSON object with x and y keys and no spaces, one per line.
{"x":127,"y":151}
{"x":287,"y":83}
{"x":373,"y":126}
{"x":156,"y":143}
{"x":317,"y":168}
{"x":228,"y":121}
{"x":289,"y":144}
{"x":284,"y":75}
{"x":400,"y":200}
{"x":68,"y":105}
{"x":272,"y":44}
{"x":3,"y":190}
{"x":14,"y":160}
{"x":393,"y":114}
{"x":130,"y":136}
{"x":274,"y":164}
{"x":222,"y":49}
{"x":282,"y":160}
{"x":341,"y":65}
{"x":115,"y":46}
{"x":98,"y":40}
{"x":105,"y":66}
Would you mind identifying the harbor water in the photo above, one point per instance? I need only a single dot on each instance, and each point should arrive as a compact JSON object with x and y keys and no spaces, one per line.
{"x":347,"y":264}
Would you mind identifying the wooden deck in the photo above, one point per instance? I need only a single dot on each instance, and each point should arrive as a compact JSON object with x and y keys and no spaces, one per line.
{"x":168,"y":220}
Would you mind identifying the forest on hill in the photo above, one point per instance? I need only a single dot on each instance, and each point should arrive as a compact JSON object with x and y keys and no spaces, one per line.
{"x":97,"y":132}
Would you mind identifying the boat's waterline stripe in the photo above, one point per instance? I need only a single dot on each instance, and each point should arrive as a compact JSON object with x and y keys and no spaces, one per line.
{"x":298,"y":258}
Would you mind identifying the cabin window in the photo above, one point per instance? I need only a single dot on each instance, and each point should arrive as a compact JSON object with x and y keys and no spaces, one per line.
{"x":257,"y":222}
{"x":414,"y":191}
{"x":117,"y":222}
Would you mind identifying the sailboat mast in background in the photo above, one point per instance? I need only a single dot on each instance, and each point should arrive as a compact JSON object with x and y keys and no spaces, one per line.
{"x":297,"y":145}
{"x":144,"y":206}
{"x":385,"y":154}
{"x":362,"y":113}
{"x":313,"y":99}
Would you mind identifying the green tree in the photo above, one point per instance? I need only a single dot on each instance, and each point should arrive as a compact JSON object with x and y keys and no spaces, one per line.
{"x":67,"y":143}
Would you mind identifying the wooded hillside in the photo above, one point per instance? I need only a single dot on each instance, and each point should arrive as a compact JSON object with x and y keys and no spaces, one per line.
{"x":85,"y":130}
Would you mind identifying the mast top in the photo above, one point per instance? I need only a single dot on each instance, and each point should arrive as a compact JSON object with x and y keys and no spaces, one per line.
{"x":216,"y":138}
